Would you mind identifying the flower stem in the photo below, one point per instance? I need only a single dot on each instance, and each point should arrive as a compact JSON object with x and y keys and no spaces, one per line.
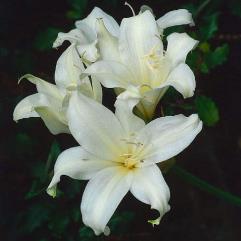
{"x":203,"y":185}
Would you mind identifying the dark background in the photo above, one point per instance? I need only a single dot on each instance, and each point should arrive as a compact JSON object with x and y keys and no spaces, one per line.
{"x":27,"y":213}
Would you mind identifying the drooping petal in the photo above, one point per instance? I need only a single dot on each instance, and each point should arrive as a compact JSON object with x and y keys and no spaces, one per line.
{"x":77,"y":164}
{"x":84,"y":39}
{"x":44,"y":87}
{"x":25,"y":108}
{"x":182,"y":79}
{"x":53,"y":119}
{"x":110,"y":23}
{"x":174,"y":18}
{"x":139,"y":39}
{"x":102,"y":195}
{"x":149,"y":187}
{"x":124,"y":112}
{"x":107,"y":43}
{"x":68,"y":68}
{"x":179,"y":45}
{"x":95,"y":127}
{"x":167,"y":136}
{"x":110,"y":73}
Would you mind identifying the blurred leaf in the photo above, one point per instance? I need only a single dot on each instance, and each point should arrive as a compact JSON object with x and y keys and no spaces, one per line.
{"x":207,"y":110}
{"x":86,"y":234}
{"x":119,"y":223}
{"x":53,"y":154}
{"x":78,"y":9}
{"x":218,"y":56}
{"x":45,"y":39}
{"x":210,"y":26}
{"x":36,"y":215}
{"x":203,"y":185}
{"x":211,"y":59}
{"x":59,"y":223}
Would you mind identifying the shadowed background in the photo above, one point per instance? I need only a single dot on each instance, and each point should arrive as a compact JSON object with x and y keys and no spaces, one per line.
{"x":28,"y":151}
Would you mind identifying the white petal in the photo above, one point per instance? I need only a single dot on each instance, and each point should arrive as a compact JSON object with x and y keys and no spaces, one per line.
{"x":53,"y":119}
{"x":68,"y":68}
{"x":149,"y":101}
{"x":167,"y":136}
{"x":110,"y":23}
{"x":44,"y":87}
{"x":174,"y":18}
{"x":149,"y":187}
{"x":179,"y":45}
{"x":107,"y":43}
{"x":25,"y":108}
{"x":182,"y":79}
{"x":139,"y":37}
{"x":97,"y":90}
{"x":95,"y":127}
{"x":75,"y":36}
{"x":84,"y":39}
{"x":110,"y":73}
{"x":102,"y":195}
{"x":124,"y":112}
{"x":77,"y":164}
{"x":88,"y":52}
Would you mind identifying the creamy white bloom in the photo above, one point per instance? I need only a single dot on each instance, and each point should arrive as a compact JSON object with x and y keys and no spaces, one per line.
{"x":85,"y":36}
{"x":51,"y":101}
{"x":136,"y":61}
{"x":118,"y":153}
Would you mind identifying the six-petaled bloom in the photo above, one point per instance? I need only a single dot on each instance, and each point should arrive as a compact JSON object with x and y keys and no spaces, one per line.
{"x":118,"y":153}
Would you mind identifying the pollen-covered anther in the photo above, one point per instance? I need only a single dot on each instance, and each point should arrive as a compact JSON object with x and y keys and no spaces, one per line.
{"x":153,"y":59}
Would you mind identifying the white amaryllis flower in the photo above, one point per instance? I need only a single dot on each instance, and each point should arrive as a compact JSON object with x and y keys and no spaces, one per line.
{"x":51,"y":101}
{"x":85,"y":36}
{"x":118,"y":153}
{"x":137,"y":62}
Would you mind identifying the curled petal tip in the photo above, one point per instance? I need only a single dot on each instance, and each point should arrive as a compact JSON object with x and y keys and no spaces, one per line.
{"x":154,"y":222}
{"x":52,"y":191}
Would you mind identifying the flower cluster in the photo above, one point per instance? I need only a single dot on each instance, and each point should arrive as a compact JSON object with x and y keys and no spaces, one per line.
{"x":118,"y":151}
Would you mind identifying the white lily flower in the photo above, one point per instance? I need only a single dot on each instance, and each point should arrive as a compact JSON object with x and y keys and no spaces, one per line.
{"x":85,"y":36}
{"x":137,"y":63}
{"x":118,"y":153}
{"x":51,"y":101}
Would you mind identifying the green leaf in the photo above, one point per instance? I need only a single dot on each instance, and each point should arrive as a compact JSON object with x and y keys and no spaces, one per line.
{"x":36,"y":215}
{"x":53,"y":154}
{"x":218,"y":56}
{"x":45,"y":39}
{"x":210,"y":26}
{"x":203,"y":185}
{"x":120,"y":222}
{"x":207,"y":110}
{"x":78,"y":9}
{"x":86,"y":234}
{"x":59,"y":223}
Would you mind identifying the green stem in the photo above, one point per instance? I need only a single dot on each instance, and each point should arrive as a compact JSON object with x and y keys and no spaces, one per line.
{"x":197,"y":182}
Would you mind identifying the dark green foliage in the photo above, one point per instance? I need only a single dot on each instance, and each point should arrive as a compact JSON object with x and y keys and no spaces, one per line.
{"x":207,"y":110}
{"x":77,"y":9}
{"x":44,"y":40}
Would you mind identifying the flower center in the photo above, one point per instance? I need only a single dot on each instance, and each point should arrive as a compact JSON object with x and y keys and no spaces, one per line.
{"x":153,"y":59}
{"x":129,"y":161}
{"x":132,"y":157}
